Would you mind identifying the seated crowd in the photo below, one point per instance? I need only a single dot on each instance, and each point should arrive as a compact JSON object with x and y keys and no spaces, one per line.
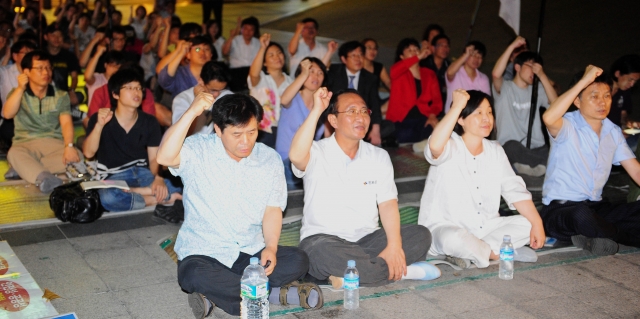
{"x":219,"y":145}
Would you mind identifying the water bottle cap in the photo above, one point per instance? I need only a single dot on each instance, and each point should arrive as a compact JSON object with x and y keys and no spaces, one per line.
{"x":506,"y":238}
{"x":351,"y":263}
{"x":254,"y":260}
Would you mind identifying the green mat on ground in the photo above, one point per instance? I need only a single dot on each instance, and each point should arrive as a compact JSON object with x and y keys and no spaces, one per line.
{"x":290,"y":235}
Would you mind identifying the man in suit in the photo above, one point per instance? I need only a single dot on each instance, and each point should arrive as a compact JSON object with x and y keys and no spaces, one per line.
{"x":351,"y":74}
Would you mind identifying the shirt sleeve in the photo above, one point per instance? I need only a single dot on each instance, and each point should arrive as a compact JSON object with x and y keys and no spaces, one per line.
{"x":278,"y":196}
{"x":512,"y":187}
{"x":315,"y":148}
{"x":64,"y":104}
{"x":166,"y":81}
{"x":98,"y":101}
{"x":387,"y":189}
{"x":186,"y":156}
{"x":564,"y":133}
{"x":445,"y":156}
{"x":179,"y":106}
{"x":623,"y":152}
{"x":155,"y":134}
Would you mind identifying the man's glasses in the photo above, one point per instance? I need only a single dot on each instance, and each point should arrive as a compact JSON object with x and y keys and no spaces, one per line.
{"x":354,"y":112}
{"x":42,"y":68}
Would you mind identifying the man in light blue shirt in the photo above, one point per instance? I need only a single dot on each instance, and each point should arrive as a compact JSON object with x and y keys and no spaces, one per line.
{"x":234,"y":195}
{"x":584,"y":145}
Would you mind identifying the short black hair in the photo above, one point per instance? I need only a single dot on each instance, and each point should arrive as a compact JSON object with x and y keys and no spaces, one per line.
{"x":440,"y":37}
{"x":120,"y":78}
{"x":236,"y":110}
{"x":317,"y":62}
{"x":189,"y":28}
{"x":625,"y":64}
{"x":315,"y":23}
{"x":365,"y":40}
{"x":201,"y":39}
{"x":27,"y":61}
{"x":119,"y":30}
{"x":600,"y":79}
{"x":214,"y":70}
{"x":429,"y":28}
{"x":478,"y":46}
{"x":211,"y":22}
{"x":53,"y":28}
{"x":117,"y":12}
{"x":475,"y":99}
{"x":255,"y":23}
{"x":403,"y":44}
{"x":19,"y":45}
{"x":333,"y":103}
{"x":526,"y":56}
{"x":349,"y":47}
{"x":116,"y":57}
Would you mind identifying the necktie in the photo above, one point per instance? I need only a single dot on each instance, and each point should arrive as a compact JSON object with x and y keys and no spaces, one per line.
{"x":351,"y":77}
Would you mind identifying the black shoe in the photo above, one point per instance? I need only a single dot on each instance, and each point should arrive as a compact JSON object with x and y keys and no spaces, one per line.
{"x":200,"y":305}
{"x":596,"y":246}
{"x":173,"y":214}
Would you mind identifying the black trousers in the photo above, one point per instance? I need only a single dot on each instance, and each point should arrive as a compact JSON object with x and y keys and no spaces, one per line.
{"x":221,"y":284}
{"x":216,"y":6}
{"x":518,"y":153}
{"x":412,"y":130}
{"x":602,"y":219}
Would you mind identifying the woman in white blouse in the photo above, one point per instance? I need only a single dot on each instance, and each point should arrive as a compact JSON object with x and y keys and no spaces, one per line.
{"x":468,"y":175}
{"x":267,"y":81}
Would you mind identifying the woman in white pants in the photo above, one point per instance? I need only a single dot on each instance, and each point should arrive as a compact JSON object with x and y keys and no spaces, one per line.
{"x":468,"y":175}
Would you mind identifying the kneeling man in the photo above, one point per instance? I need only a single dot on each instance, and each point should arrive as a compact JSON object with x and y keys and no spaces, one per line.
{"x":234,"y":195}
{"x":348,"y":183}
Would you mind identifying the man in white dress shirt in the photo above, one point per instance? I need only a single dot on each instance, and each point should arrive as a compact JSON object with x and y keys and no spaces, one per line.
{"x":349,"y":183}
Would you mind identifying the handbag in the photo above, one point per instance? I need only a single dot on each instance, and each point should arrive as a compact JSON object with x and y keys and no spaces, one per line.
{"x":71,"y":203}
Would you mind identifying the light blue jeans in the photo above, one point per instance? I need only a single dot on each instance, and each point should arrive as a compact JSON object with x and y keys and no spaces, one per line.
{"x":117,"y":200}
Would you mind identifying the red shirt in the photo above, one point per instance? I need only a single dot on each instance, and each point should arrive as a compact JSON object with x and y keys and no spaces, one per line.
{"x":100,"y":99}
{"x":403,"y":91}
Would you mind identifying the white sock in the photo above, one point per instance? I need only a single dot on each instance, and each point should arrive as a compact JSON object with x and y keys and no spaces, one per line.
{"x":422,"y":270}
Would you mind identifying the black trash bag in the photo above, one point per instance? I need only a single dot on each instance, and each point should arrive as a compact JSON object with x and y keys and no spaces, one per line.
{"x":71,"y":203}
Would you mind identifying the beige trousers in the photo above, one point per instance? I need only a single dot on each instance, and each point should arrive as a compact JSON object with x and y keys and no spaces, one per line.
{"x":31,"y":158}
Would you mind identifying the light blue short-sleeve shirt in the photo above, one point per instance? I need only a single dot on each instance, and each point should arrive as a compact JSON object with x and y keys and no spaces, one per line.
{"x":225,"y":200}
{"x":580,"y":161}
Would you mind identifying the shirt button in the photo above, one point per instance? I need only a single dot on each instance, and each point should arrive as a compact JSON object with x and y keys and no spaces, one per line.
{"x":478,"y":213}
{"x":474,"y":172}
{"x":479,"y":203}
{"x":477,"y":187}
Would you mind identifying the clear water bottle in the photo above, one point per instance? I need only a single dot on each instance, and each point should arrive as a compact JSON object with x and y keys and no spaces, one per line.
{"x":351,"y":286}
{"x":254,"y":287}
{"x":506,"y":259}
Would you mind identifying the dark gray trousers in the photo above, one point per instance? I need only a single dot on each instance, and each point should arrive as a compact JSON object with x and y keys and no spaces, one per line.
{"x":518,"y":153}
{"x":328,"y":254}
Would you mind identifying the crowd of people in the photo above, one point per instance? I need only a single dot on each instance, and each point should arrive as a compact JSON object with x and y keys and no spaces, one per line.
{"x":236,"y":126}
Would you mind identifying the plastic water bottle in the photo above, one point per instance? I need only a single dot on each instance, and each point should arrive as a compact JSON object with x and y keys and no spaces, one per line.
{"x":506,"y":259}
{"x":351,"y":286}
{"x":254,"y":292}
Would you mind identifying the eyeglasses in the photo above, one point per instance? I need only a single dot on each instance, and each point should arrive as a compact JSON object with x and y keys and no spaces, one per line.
{"x":132,"y":88}
{"x":198,"y":49}
{"x":42,"y":68}
{"x":354,"y":112}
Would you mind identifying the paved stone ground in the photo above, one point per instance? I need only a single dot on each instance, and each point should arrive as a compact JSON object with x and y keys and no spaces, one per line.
{"x":115,"y":269}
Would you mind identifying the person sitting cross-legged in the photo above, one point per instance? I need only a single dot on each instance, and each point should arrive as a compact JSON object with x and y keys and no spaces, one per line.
{"x":349,"y":187}
{"x":43,"y":140}
{"x":234,"y":196}
{"x":125,"y":140}
{"x":468,"y":175}
{"x":584,"y":145}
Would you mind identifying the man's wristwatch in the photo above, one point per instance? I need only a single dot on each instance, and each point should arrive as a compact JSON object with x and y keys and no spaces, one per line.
{"x":70,"y":145}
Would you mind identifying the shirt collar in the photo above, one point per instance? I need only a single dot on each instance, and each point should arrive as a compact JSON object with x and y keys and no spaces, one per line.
{"x":353,"y":74}
{"x":339,"y":154}
{"x":50,"y":91}
{"x":607,"y":125}
{"x":221,"y":154}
